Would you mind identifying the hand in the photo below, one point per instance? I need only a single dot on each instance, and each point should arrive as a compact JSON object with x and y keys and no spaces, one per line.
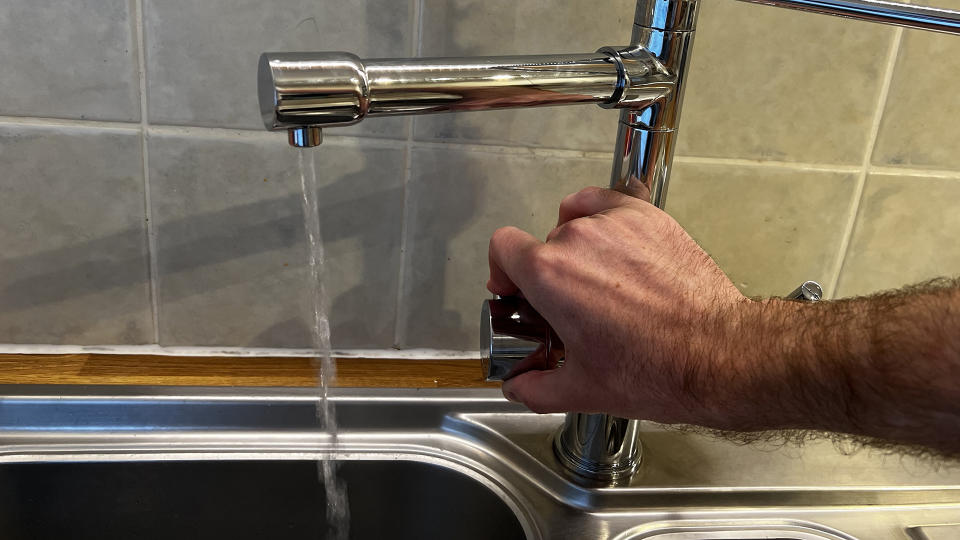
{"x":642,"y":310}
{"x":653,"y":329}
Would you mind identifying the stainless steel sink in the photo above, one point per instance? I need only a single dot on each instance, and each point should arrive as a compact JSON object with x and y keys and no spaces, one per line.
{"x":243,"y":499}
{"x":146,"y":462}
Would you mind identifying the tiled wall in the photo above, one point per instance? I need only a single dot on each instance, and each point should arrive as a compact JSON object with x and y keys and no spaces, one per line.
{"x":140,"y":202}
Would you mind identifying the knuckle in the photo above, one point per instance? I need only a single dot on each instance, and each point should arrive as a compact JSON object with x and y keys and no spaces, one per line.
{"x":577,"y":227}
{"x":583,"y":227}
{"x":553,"y":234}
{"x":569,"y":200}
{"x":574,"y":198}
{"x":542,"y":261}
{"x":545,"y":268}
{"x":501,"y":236}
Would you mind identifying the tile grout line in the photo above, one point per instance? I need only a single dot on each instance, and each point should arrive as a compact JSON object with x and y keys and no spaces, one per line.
{"x":905,"y":171}
{"x":254,"y":134}
{"x":741,"y":162}
{"x":399,"y":329}
{"x":520,"y":150}
{"x":42,"y":121}
{"x":417,"y":38}
{"x":152,"y":267}
{"x":845,"y":241}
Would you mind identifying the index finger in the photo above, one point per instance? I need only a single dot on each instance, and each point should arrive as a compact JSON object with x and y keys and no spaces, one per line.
{"x":510,"y":247}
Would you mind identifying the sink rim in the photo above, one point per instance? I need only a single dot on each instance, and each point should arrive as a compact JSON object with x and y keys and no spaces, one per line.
{"x":753,"y":528}
{"x":459,"y":429}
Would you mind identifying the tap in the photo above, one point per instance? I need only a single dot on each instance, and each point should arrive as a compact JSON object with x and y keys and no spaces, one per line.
{"x":304,"y":92}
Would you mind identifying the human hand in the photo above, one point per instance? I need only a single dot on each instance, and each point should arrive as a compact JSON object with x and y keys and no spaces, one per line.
{"x":642,"y":310}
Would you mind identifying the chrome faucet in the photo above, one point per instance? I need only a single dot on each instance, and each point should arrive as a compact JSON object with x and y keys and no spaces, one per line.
{"x":305,"y":92}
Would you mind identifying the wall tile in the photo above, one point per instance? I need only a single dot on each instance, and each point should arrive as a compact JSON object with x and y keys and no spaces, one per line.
{"x":68,"y":59}
{"x":919,"y":126}
{"x":73,"y":263}
{"x":778,"y":84}
{"x":906,"y":232}
{"x":768,"y":228}
{"x":232,"y":251}
{"x":503,"y":27}
{"x":457,"y":199}
{"x":202,"y":56}
{"x":766,"y":84}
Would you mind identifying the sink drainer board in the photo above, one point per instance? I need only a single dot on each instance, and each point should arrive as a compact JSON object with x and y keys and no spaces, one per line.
{"x":173,"y":462}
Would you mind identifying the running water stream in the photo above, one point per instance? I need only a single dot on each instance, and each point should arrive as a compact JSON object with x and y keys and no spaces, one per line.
{"x":338,"y":510}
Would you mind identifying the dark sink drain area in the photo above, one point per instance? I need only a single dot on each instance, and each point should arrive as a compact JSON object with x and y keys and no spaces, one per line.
{"x":243,"y":500}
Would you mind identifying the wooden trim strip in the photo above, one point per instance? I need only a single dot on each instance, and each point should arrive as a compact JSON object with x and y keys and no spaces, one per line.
{"x":235,"y":371}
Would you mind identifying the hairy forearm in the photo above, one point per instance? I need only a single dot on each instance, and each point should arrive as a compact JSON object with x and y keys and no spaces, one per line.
{"x":885,"y":366}
{"x":653,"y":329}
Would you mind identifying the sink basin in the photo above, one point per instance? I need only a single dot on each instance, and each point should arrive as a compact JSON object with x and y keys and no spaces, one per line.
{"x":148,"y":462}
{"x":243,"y":499}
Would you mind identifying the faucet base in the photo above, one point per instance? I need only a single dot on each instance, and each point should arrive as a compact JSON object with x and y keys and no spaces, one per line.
{"x":599,"y":447}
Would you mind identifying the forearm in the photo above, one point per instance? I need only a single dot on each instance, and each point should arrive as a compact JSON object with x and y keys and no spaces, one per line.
{"x":886,"y":366}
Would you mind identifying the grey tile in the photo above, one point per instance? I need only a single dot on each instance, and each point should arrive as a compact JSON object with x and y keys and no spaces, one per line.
{"x":919,"y":125}
{"x":73,"y":268}
{"x":232,"y":253}
{"x":202,"y":56}
{"x":777,"y":84}
{"x":68,"y":59}
{"x":906,"y":232}
{"x":768,"y":228}
{"x":457,"y":200}
{"x":504,"y":27}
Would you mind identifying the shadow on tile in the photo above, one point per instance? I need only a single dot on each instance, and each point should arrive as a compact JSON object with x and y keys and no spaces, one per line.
{"x":232,"y":234}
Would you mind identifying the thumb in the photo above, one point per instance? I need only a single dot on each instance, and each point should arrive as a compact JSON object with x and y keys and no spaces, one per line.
{"x":546,"y":391}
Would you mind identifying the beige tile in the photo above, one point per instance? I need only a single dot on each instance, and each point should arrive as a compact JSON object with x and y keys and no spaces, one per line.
{"x":69,"y":59}
{"x":777,"y":84}
{"x":73,"y":249}
{"x":202,"y":56}
{"x":457,"y":200}
{"x":769,"y":228}
{"x":919,"y":126}
{"x":232,"y":253}
{"x":906,"y":232}
{"x":504,"y":27}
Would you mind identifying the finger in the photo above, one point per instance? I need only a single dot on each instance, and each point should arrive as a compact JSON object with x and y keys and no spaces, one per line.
{"x":510,"y":249}
{"x":537,"y":360}
{"x":554,"y":233}
{"x":634,"y":188}
{"x":546,"y":391}
{"x":589,"y":201}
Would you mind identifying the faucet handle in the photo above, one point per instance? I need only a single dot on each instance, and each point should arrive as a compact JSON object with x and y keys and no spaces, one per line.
{"x":808,"y":291}
{"x":510,"y":332}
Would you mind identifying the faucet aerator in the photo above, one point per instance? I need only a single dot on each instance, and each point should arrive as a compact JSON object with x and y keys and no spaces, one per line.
{"x":305,"y":137}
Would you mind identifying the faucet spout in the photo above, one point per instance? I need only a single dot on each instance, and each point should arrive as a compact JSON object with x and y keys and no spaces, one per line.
{"x":326,"y":89}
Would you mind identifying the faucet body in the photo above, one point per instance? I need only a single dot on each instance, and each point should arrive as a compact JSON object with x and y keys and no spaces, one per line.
{"x":305,"y":92}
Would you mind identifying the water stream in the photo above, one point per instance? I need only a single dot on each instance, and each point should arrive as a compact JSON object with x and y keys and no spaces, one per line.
{"x":338,"y":510}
